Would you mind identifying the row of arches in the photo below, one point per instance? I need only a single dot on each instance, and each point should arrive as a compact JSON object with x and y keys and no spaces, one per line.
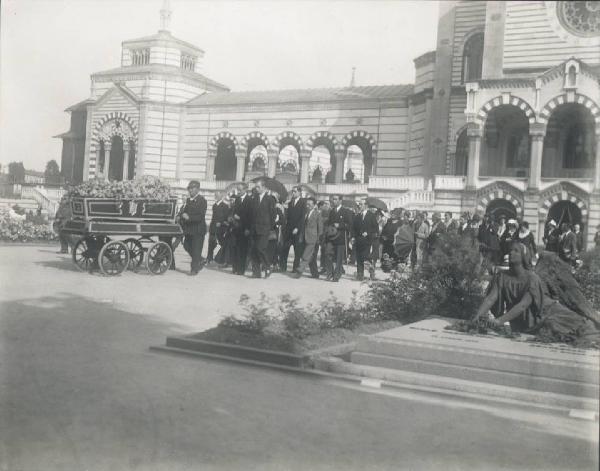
{"x":569,"y":142}
{"x":328,"y":159}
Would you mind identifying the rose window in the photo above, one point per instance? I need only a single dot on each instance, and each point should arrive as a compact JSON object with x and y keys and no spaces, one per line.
{"x":580,"y":18}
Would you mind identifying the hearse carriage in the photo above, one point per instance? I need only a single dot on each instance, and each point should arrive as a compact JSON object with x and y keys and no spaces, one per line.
{"x":116,"y":234}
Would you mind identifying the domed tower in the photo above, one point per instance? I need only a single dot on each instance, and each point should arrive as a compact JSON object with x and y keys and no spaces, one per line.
{"x":130,"y":124}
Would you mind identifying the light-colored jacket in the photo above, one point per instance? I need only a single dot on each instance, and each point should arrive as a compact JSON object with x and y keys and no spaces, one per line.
{"x":313,"y":227}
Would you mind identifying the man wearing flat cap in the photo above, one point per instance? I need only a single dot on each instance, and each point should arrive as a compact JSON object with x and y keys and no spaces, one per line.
{"x":193,"y":223}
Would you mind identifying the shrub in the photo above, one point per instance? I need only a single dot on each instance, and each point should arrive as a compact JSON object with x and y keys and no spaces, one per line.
{"x":256,"y":318}
{"x":333,"y":313}
{"x":588,"y":276}
{"x":451,"y":284}
{"x":298,"y":322}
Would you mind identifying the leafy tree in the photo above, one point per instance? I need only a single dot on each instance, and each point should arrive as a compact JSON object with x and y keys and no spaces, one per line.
{"x":17,"y":171}
{"x":52,"y":172}
{"x":52,"y":169}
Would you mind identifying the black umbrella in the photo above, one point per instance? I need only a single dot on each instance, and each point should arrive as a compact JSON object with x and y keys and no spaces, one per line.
{"x":274,"y":185}
{"x":376,"y":203}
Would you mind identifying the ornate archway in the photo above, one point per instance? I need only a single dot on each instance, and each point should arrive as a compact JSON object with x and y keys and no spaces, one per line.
{"x":569,"y":98}
{"x":505,"y":100}
{"x":222,"y":164}
{"x":114,"y":143}
{"x":496,"y":191}
{"x":367,"y":145}
{"x":562,"y":191}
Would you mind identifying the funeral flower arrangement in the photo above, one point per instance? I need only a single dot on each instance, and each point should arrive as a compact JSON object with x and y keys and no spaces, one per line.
{"x":19,"y":230}
{"x":146,"y":187}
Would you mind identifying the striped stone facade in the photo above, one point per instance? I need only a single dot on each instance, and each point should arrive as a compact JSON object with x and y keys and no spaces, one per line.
{"x":451,"y":141}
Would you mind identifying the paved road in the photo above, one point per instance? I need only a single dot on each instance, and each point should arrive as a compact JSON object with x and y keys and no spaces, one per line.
{"x":79,"y":390}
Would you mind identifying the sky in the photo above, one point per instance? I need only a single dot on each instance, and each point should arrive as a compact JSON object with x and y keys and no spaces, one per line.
{"x":49,"y":48}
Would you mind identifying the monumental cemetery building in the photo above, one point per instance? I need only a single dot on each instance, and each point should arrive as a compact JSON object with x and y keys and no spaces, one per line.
{"x":503,"y":117}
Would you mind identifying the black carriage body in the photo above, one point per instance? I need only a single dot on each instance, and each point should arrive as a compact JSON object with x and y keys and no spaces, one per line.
{"x":133,"y":217}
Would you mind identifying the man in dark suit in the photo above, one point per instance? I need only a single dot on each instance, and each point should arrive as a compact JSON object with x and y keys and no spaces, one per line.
{"x":365,"y":231}
{"x":262,"y":223}
{"x":313,"y":229}
{"x":294,"y":218}
{"x":339,"y":224}
{"x":437,"y":229}
{"x":242,"y":216}
{"x":567,"y":245}
{"x":193,"y":223}
{"x":220,"y":212}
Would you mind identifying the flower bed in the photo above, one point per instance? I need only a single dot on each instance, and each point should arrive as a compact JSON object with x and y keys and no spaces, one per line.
{"x":13,"y":230}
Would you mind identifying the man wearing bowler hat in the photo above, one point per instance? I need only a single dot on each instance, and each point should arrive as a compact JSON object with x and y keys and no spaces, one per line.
{"x":193,"y":223}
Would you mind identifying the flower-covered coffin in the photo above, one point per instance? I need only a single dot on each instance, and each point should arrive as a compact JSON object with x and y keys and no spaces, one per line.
{"x":139,"y":209}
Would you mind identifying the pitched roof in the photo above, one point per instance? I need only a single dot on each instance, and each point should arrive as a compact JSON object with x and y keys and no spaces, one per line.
{"x":164,"y":69}
{"x":81,"y":104}
{"x":375,"y":92}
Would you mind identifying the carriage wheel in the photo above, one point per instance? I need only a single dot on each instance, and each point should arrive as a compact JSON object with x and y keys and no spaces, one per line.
{"x":159,"y":258}
{"x":136,"y":253}
{"x":83,"y":256}
{"x":113,"y":258}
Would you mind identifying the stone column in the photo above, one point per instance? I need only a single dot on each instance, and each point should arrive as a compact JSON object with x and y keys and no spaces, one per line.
{"x":126,"y":160}
{"x":537,"y":131}
{"x":240,"y":170}
{"x":273,"y":155}
{"x":210,"y":165}
{"x":304,"y":164}
{"x":106,"y":168}
{"x":597,"y":163}
{"x":474,"y":134}
{"x":340,"y":156}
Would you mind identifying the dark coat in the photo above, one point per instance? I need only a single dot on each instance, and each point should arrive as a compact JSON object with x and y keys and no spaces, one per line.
{"x":507,"y":240}
{"x":294,"y":217}
{"x":242,"y":212}
{"x":195,"y":208}
{"x":367,"y":223}
{"x":263,"y":215}
{"x":220,"y":213}
{"x":434,"y":236}
{"x":389,"y":231}
{"x":567,"y":247}
{"x":343,"y":217}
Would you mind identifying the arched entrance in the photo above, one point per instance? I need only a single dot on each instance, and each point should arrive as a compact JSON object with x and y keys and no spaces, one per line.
{"x":501,"y":207}
{"x":258,"y":160}
{"x":115,"y":166}
{"x":565,"y":211}
{"x":354,"y":168}
{"x":288,"y":161}
{"x":505,"y":149}
{"x":322,"y":147}
{"x":115,"y":137}
{"x":255,"y":140}
{"x":363,"y":141}
{"x":570,"y":142}
{"x":225,"y":163}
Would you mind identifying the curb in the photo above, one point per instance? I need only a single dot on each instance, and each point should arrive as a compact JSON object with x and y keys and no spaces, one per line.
{"x":333,"y":368}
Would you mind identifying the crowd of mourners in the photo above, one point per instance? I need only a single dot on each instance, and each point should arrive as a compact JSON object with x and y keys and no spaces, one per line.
{"x":252,"y":229}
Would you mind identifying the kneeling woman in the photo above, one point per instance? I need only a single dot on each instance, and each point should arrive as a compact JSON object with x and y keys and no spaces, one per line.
{"x":519,"y":296}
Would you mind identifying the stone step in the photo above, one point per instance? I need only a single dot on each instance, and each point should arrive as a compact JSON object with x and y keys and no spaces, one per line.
{"x":25,"y":203}
{"x":426,"y":347}
{"x":505,"y":378}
